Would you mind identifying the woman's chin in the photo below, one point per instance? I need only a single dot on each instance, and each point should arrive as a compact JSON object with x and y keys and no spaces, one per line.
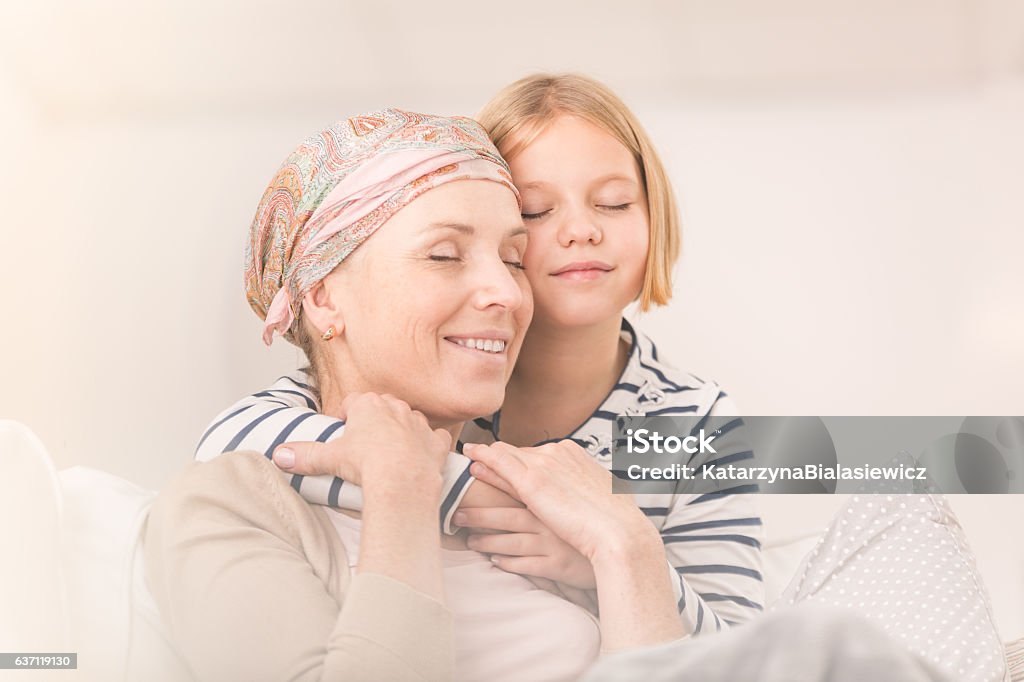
{"x":468,"y":407}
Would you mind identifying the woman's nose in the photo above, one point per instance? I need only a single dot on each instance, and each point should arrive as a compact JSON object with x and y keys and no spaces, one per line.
{"x":499,"y":287}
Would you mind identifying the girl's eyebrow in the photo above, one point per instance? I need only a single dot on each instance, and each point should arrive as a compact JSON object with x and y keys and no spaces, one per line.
{"x":540,"y":184}
{"x":614,"y":177}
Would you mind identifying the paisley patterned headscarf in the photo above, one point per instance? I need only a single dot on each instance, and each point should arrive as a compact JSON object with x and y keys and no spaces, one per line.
{"x":339,"y":187}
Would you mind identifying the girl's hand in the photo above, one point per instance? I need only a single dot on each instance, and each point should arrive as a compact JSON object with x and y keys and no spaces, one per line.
{"x":566,"y":490}
{"x":385,"y":446}
{"x":520,"y":543}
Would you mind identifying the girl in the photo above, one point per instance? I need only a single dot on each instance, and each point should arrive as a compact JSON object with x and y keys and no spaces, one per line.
{"x":603,"y":232}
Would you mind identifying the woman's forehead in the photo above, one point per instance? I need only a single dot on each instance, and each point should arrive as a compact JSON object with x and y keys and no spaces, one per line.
{"x":470,"y":208}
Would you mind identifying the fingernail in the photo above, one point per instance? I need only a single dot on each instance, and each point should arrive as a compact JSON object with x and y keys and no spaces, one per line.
{"x":460,"y":518}
{"x":284,"y":458}
{"x":495,"y":560}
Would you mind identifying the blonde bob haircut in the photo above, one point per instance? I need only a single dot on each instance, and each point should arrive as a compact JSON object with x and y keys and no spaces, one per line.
{"x":520,"y":112}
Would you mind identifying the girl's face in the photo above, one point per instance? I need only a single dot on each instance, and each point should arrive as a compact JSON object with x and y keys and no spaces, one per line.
{"x":586,"y":212}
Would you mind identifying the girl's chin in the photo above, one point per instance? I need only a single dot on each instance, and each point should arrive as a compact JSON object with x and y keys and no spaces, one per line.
{"x":580,"y":315}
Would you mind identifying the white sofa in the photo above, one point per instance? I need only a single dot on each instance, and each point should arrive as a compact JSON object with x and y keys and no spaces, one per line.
{"x":75,"y":584}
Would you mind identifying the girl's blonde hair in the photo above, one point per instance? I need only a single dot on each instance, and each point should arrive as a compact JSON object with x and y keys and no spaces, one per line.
{"x":520,"y":112}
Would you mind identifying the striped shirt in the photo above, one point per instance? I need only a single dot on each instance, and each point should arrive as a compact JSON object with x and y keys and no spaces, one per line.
{"x":712,"y":540}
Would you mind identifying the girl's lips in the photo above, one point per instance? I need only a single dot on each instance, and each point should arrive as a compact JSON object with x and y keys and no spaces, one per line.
{"x":582,"y":275}
{"x":582,"y":266}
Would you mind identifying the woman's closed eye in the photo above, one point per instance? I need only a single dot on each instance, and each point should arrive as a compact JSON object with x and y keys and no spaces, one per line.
{"x":515,"y":262}
{"x":535,"y":216}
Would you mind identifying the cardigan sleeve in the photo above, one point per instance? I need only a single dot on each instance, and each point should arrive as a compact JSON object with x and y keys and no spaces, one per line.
{"x":288,"y":411}
{"x":257,"y":587}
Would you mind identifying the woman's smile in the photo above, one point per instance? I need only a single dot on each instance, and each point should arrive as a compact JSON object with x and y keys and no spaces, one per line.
{"x":490,"y":347}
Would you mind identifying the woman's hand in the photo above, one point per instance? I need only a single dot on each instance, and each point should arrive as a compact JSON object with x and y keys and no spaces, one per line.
{"x":386,"y":445}
{"x":565,"y":489}
{"x":397,"y":458}
{"x":520,"y":543}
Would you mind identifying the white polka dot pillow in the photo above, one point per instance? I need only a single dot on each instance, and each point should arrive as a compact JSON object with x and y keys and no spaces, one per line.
{"x":903,"y":562}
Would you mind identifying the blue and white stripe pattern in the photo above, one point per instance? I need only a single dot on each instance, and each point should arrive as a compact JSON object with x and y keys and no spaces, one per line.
{"x":287,"y":412}
{"x":712,"y":541}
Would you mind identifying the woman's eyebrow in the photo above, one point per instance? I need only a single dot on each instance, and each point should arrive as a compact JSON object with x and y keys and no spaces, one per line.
{"x":463,"y":228}
{"x":450,"y":225}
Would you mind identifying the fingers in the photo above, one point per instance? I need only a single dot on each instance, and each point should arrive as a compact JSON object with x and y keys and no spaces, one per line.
{"x":486,"y":475}
{"x":356,"y":403}
{"x":374,"y":401}
{"x":309,"y":459}
{"x":397,"y":406}
{"x":530,"y":566}
{"x":500,"y":458}
{"x":507,"y":519}
{"x":444,"y":438}
{"x":508,"y":544}
{"x":353,"y":401}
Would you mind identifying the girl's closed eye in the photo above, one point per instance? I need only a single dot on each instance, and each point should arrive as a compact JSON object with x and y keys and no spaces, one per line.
{"x":616,"y":207}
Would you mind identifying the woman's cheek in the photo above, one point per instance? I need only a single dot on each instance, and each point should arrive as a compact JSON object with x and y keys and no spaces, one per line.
{"x":532,"y":260}
{"x":527,"y":306}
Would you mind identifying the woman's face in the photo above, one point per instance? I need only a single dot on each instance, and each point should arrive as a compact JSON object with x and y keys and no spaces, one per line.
{"x":586,"y":210}
{"x":435,"y":304}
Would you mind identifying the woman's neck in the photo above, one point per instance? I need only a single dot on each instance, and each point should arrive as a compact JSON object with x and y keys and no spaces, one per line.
{"x":561,"y":377}
{"x":331,"y":400}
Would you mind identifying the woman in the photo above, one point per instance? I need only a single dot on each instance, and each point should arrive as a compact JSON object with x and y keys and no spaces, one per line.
{"x":582,"y":163}
{"x":603,"y":233}
{"x":386,"y":246}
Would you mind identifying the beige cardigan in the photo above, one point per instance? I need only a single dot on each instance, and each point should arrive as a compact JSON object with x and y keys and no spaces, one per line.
{"x":253,"y":584}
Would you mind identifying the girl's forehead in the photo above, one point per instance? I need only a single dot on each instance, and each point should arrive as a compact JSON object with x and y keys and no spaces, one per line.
{"x":585,"y":168}
{"x":566,"y":126}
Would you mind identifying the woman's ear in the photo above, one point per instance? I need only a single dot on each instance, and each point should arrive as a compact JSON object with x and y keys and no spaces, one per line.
{"x":320,"y":307}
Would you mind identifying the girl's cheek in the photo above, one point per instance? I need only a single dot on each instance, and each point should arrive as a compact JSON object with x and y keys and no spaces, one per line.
{"x":531,"y":257}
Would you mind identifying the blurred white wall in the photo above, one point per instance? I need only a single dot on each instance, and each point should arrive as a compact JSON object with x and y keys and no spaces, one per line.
{"x":855,"y":255}
{"x":850,"y":174}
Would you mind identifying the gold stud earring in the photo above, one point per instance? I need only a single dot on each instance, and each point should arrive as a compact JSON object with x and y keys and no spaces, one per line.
{"x":329,"y":334}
